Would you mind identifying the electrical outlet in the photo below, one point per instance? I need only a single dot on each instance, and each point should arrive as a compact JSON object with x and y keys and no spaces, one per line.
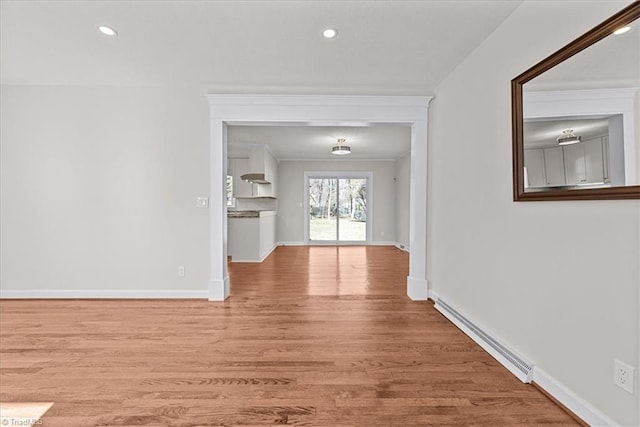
{"x":181,"y":271}
{"x":623,"y":375}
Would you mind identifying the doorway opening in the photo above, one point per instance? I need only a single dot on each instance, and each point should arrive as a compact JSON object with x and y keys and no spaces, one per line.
{"x":319,"y":110}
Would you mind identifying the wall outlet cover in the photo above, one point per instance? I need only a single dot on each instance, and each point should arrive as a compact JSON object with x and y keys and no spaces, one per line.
{"x":623,"y":375}
{"x":202,"y":202}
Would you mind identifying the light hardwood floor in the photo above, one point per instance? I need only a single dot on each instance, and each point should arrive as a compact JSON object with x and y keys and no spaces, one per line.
{"x":319,"y":336}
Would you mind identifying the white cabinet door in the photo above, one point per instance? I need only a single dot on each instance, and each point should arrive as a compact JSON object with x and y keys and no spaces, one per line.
{"x":554,"y":166}
{"x":584,"y":162}
{"x":593,"y":159}
{"x":574,"y":166}
{"x":605,"y":158}
{"x":534,"y":162}
{"x":239,"y":167}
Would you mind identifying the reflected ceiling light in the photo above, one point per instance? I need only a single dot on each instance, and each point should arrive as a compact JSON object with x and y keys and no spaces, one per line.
{"x":621,"y":30}
{"x":568,"y":138}
{"x":107,"y":30}
{"x":340,"y":149}
{"x":330,"y":33}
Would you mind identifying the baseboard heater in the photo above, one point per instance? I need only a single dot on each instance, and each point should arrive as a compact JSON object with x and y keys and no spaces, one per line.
{"x":514,"y":363}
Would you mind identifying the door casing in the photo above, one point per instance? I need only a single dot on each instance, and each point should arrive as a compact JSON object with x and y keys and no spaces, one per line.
{"x":319,"y":110}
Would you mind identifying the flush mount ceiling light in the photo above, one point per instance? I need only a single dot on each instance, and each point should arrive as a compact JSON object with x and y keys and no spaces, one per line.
{"x":329,"y":33}
{"x":568,"y":138}
{"x":621,"y":30}
{"x":340,"y":149}
{"x":107,"y":30}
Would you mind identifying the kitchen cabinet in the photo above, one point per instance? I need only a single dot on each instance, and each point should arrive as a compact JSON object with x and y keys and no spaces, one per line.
{"x":238,"y":168}
{"x":545,"y":167}
{"x":534,"y":162}
{"x":262,"y":162}
{"x":554,"y":166}
{"x":251,"y":239}
{"x":584,"y":162}
{"x":577,"y":164}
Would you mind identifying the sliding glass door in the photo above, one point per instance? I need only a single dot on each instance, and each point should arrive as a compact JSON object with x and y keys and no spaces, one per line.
{"x":337,"y":209}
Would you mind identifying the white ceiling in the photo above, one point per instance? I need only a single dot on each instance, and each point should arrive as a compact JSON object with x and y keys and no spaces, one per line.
{"x":315,"y":142}
{"x":542,"y":133}
{"x":610,"y":63}
{"x":383,"y":47}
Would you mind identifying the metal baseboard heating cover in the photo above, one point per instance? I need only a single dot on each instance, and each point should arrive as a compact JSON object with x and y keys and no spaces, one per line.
{"x":514,"y":363}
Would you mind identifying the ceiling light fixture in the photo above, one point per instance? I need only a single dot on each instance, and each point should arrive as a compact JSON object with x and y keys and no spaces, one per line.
{"x":568,"y":138}
{"x":340,"y":149}
{"x":621,"y":30}
{"x":329,"y":33}
{"x":107,"y":30}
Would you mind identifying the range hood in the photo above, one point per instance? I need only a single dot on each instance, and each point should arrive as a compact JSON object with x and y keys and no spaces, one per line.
{"x":256,"y":178}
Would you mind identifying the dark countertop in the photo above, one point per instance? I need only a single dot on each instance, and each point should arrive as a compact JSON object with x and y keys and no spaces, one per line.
{"x":243,"y":214}
{"x":257,"y":197}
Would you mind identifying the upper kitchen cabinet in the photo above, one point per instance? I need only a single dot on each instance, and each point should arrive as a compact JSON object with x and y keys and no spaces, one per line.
{"x":554,"y":166}
{"x":263,"y":172}
{"x":254,"y":175}
{"x":584,"y":162}
{"x":544,"y":167}
{"x":534,"y":167}
{"x":237,"y":168}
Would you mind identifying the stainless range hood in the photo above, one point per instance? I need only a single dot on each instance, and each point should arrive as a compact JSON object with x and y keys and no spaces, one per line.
{"x":256,"y":178}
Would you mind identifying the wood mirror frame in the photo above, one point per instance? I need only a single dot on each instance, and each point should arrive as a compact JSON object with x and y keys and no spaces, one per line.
{"x":622,"y":18}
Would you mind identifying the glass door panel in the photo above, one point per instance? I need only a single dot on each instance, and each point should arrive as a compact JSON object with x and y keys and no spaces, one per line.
{"x":323,"y":222}
{"x":337,"y":209}
{"x":352,"y":210}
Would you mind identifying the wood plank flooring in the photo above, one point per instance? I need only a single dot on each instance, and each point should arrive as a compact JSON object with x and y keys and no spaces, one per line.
{"x":320,"y":336}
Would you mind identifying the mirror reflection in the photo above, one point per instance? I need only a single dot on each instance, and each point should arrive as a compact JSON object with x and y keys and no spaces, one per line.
{"x":581,"y":118}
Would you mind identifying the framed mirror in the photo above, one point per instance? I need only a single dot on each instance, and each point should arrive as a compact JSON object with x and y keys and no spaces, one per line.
{"x":576,"y":117}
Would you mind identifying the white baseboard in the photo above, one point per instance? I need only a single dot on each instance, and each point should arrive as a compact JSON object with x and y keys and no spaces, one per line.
{"x":417,"y":289}
{"x":275,"y":245}
{"x":376,"y":243}
{"x":219,"y":290}
{"x":101,"y":294}
{"x":382,"y":243}
{"x":553,"y":387}
{"x":401,"y":246}
{"x":433,"y":296}
{"x":584,"y":410}
{"x":257,"y":261}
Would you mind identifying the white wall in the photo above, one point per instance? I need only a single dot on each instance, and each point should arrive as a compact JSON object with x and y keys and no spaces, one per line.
{"x":291,"y":195}
{"x":558,"y":281}
{"x":403,"y":180}
{"x":99,"y":189}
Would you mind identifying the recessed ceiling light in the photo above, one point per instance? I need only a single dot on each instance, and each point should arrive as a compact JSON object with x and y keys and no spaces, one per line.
{"x":107,"y":30}
{"x":621,"y":30}
{"x":330,"y":33}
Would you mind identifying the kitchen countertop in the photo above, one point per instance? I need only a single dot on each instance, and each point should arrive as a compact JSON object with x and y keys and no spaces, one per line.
{"x":243,"y":214}
{"x":256,"y":197}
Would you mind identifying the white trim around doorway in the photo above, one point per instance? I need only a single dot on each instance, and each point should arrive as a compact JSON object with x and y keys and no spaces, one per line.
{"x":319,"y":110}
